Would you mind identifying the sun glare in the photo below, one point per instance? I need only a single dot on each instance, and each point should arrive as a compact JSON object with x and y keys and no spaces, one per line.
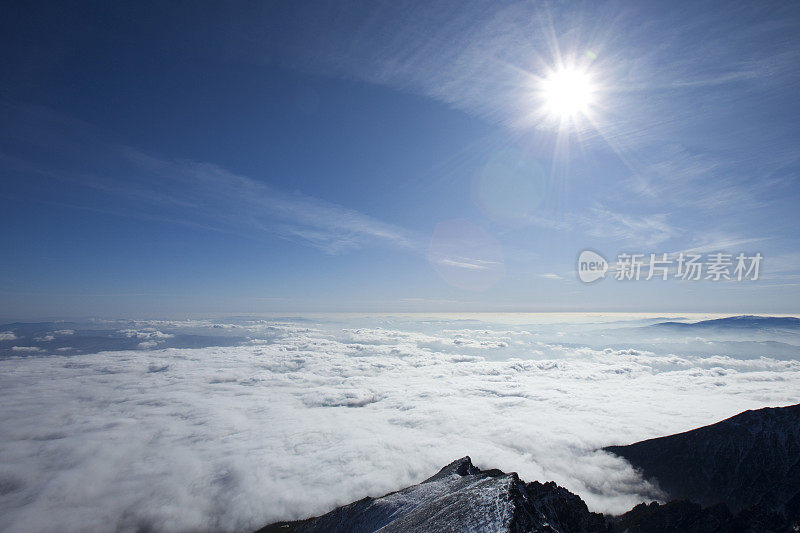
{"x":568,"y":93}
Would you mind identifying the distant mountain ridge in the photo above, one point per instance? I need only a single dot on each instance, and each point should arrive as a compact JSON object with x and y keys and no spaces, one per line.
{"x":742,"y":470}
{"x":740,"y":322}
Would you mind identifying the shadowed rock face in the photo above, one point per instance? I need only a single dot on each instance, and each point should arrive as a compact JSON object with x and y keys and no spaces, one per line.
{"x":742,"y":472}
{"x":461,"y":497}
{"x":750,"y":459}
{"x":681,"y":516}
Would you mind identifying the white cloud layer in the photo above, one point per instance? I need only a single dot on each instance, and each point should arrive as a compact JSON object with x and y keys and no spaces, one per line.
{"x":302,"y":419}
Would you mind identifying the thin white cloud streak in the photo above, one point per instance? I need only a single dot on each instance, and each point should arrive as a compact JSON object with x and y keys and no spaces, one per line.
{"x":234,"y":201}
{"x":467,"y":263}
{"x":551,"y":276}
{"x":603,"y":223}
{"x":191,"y":193}
{"x":648,"y":230}
{"x":232,"y":438}
{"x":716,"y":242}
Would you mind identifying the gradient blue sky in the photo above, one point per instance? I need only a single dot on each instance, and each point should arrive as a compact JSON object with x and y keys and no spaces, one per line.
{"x":167,"y":159}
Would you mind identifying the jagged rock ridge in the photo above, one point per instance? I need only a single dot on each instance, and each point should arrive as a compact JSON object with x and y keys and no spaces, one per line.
{"x":461,"y":497}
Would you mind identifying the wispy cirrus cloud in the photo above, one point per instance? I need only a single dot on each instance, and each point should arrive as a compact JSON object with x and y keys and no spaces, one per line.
{"x":603,"y":223}
{"x":126,"y":181}
{"x":716,"y":242}
{"x":467,"y":263}
{"x":201,"y":191}
{"x":648,"y":230}
{"x":551,"y":276}
{"x":199,"y":194}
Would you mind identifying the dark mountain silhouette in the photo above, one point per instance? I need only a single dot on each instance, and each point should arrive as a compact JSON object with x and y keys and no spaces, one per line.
{"x":682,"y":516}
{"x":750,"y":459}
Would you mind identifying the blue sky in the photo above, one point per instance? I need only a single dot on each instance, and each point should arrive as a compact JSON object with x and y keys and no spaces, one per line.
{"x":224,"y":159}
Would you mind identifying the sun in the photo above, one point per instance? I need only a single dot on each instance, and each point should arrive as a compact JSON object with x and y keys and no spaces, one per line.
{"x":568,"y":93}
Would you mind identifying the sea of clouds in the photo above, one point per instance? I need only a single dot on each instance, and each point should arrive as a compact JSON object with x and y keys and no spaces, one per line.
{"x":252,"y":421}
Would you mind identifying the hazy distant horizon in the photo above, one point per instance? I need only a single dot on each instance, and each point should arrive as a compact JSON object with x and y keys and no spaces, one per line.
{"x":502,"y":315}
